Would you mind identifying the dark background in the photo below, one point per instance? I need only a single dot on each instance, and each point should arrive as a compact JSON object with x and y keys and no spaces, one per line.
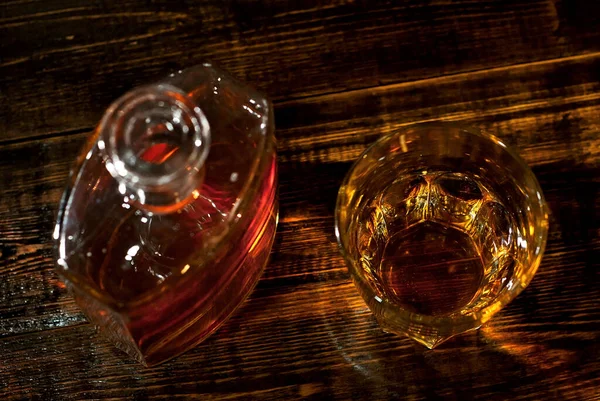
{"x":341,"y":74}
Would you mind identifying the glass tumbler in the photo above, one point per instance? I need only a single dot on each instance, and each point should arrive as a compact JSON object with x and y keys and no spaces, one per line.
{"x":441,"y":226}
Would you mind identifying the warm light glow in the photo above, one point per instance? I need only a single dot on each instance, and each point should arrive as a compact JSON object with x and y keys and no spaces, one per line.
{"x":403,"y":143}
{"x":528,"y":350}
{"x":166,"y":156}
{"x":185,"y":269}
{"x":196,"y":194}
{"x":258,"y":238}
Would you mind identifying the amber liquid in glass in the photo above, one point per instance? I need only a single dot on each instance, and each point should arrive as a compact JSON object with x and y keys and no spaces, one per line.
{"x":146,"y":251}
{"x":436,"y":243}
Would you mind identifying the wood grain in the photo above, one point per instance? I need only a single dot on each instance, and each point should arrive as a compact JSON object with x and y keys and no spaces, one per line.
{"x":63,"y":62}
{"x":342,"y":74}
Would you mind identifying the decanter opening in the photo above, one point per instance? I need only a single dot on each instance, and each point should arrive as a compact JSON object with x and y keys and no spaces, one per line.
{"x":155,"y":141}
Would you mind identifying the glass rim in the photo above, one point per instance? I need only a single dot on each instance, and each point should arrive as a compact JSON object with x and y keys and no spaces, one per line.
{"x":505,"y":297}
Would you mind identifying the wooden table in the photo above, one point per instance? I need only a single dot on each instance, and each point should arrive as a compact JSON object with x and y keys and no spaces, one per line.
{"x":341,"y":74}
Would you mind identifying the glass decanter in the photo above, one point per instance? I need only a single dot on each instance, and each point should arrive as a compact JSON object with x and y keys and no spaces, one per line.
{"x":170,"y":212}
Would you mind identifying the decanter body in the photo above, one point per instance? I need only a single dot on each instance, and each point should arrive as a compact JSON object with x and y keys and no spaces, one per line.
{"x":170,"y":212}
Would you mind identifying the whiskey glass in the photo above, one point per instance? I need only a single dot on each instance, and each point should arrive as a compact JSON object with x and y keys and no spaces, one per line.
{"x":441,"y":226}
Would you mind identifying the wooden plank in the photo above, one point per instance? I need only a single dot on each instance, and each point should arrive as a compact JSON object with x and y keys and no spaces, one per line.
{"x":535,"y":91}
{"x":63,"y":62}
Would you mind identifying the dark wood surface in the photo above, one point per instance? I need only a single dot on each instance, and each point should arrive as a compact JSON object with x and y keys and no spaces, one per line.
{"x":341,"y":74}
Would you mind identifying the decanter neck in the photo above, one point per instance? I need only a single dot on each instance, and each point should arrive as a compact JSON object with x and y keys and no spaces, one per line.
{"x":155,"y":141}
